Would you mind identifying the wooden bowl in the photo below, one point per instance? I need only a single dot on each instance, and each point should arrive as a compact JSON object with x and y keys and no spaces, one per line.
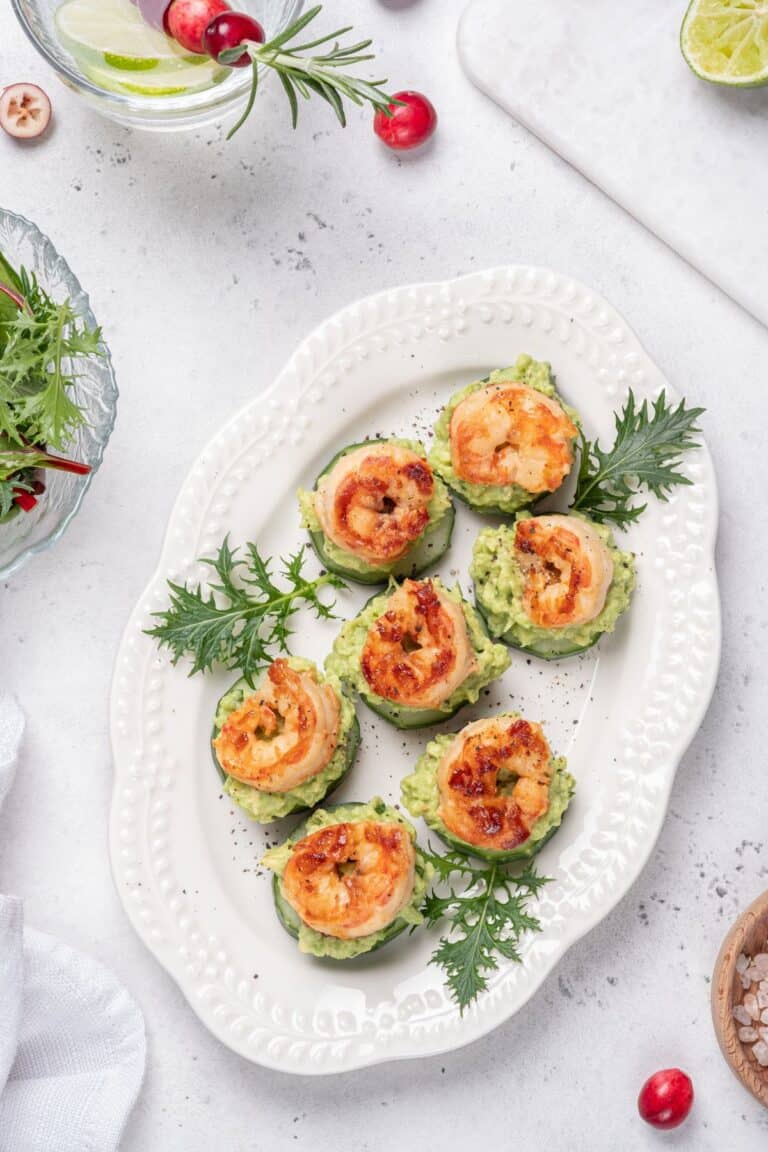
{"x":749,"y":935}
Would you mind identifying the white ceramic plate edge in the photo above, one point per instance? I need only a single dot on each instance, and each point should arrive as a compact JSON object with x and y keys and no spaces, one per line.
{"x":474,"y":1025}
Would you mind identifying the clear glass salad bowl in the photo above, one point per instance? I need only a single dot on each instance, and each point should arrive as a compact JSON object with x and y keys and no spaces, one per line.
{"x":95,"y":392}
{"x":156,"y":113}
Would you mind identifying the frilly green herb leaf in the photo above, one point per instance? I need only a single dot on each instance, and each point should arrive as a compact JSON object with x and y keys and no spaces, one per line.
{"x":488,"y":917}
{"x":38,"y":344}
{"x":241,"y":619}
{"x":649,"y":444}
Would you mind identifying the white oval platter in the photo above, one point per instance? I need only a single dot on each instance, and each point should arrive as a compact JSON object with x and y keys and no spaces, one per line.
{"x":186,"y":861}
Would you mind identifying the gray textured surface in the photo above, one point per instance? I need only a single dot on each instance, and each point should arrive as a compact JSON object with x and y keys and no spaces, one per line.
{"x":206,"y":263}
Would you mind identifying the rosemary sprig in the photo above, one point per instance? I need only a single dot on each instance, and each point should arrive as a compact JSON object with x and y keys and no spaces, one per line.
{"x":488,"y":917}
{"x":321,"y":74}
{"x":649,"y":444}
{"x":242,"y":619}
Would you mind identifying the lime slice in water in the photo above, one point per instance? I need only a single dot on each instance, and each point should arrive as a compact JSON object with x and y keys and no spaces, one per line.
{"x":158,"y":81}
{"x":113,"y":32}
{"x":726,"y":41}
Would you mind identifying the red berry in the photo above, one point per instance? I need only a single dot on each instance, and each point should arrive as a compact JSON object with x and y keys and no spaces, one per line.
{"x":230,"y":30}
{"x":412,"y":122}
{"x":666,"y":1098}
{"x":25,"y":111}
{"x":187,"y":20}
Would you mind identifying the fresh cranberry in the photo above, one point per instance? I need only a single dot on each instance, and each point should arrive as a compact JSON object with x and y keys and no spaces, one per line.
{"x":666,"y":1098}
{"x":229,"y":31}
{"x":25,"y":111}
{"x":187,"y":20}
{"x":412,"y":122}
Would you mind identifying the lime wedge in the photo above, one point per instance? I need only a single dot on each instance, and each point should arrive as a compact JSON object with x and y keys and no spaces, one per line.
{"x":158,"y":81}
{"x":130,"y":63}
{"x":726,"y":41}
{"x":113,"y":32}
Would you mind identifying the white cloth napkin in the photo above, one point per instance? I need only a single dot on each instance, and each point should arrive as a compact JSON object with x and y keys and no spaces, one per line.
{"x":72,"y":1043}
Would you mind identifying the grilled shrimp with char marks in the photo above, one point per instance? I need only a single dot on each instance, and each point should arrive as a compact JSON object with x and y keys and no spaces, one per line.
{"x":512,"y":434}
{"x":494,"y":782}
{"x":419,"y":652}
{"x":284,"y":734}
{"x":374,"y":501}
{"x":567,"y":570}
{"x":351,"y":879}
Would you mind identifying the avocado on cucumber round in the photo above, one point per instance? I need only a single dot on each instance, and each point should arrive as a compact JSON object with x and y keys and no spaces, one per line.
{"x":421,"y":797}
{"x":425,"y":552}
{"x":267,"y":806}
{"x":344,"y":661}
{"x":289,"y":917}
{"x":500,"y":591}
{"x":363,"y":945}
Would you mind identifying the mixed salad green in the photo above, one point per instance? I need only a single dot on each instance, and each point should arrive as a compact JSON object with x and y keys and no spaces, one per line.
{"x":40,"y":343}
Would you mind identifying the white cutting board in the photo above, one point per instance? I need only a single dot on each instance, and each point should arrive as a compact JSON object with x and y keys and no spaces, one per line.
{"x":602,"y":82}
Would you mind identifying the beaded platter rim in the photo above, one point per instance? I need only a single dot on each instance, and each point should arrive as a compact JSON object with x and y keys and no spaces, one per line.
{"x":260,"y":1028}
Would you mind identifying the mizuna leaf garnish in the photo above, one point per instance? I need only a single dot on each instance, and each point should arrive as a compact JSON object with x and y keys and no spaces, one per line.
{"x":488,"y":917}
{"x":241,"y":620}
{"x":38,"y":342}
{"x":649,"y":444}
{"x":302,"y":75}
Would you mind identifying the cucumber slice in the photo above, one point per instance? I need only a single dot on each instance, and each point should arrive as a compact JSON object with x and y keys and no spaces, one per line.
{"x":547,"y":648}
{"x":525,"y":851}
{"x":430,"y":547}
{"x":408,"y":718}
{"x":428,"y":550}
{"x":292,"y":922}
{"x":307,"y":795}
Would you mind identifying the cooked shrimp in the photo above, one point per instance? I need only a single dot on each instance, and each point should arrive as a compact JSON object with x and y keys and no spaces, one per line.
{"x":567,"y":569}
{"x":284,"y":734}
{"x":508,"y":433}
{"x":374,"y":501}
{"x":349,"y":880}
{"x":494,"y":782}
{"x":419,"y":652}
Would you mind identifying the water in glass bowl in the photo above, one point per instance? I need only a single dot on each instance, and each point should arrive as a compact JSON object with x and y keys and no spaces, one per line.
{"x":118,"y":50}
{"x":127,"y":70}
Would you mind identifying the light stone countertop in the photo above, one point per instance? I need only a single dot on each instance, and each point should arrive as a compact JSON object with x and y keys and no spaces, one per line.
{"x":206,"y":263}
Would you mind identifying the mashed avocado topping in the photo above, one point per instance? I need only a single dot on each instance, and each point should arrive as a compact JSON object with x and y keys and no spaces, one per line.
{"x":318,"y":944}
{"x":492,"y":497}
{"x":421,"y":797}
{"x":344,"y":660}
{"x":499,"y":586}
{"x":439,"y":507}
{"x":267,"y":806}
